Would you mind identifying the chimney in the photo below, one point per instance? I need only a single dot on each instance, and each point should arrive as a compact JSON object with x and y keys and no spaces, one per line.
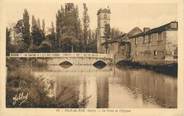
{"x":145,"y":29}
{"x":173,"y":25}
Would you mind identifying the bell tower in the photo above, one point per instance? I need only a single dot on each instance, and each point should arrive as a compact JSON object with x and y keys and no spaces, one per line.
{"x":103,"y":18}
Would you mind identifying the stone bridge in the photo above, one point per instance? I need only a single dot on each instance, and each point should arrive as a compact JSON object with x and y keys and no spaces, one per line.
{"x":73,"y":58}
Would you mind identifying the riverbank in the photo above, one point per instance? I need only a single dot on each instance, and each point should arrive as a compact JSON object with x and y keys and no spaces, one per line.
{"x":169,"y":69}
{"x":24,"y":90}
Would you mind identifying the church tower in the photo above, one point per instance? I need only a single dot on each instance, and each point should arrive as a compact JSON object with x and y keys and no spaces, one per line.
{"x":103,"y":18}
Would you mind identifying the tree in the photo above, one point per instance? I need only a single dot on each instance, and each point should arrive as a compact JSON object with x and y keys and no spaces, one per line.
{"x":8,"y":49}
{"x":52,"y":27}
{"x":42,"y":29}
{"x":15,"y":41}
{"x":43,"y":26}
{"x":48,"y":43}
{"x":60,"y":17}
{"x":26,"y":30}
{"x":106,"y":35}
{"x":115,"y":33}
{"x":36,"y":34}
{"x":52,"y":36}
{"x":78,"y":30}
{"x":68,"y":26}
{"x":38,"y":24}
{"x":92,"y":42}
{"x":85,"y":25}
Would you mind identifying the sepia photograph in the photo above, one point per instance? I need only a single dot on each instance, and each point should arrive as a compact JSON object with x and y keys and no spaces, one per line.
{"x":63,"y":54}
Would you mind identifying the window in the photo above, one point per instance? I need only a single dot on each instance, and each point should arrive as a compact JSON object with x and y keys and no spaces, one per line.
{"x":175,"y":53}
{"x":173,"y":25}
{"x":175,"y":56}
{"x":156,"y":36}
{"x":159,"y":37}
{"x":152,"y":37}
{"x":155,"y":53}
{"x":105,"y":16}
{"x":135,"y":41}
{"x":144,"y":39}
{"x":149,"y":39}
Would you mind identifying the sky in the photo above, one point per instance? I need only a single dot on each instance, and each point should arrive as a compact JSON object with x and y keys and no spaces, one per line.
{"x":124,"y":15}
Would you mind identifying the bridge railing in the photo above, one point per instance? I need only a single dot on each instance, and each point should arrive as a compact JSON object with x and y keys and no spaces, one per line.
{"x":91,"y":55}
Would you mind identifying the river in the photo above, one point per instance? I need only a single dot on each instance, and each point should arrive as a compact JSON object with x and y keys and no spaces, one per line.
{"x":111,"y":87}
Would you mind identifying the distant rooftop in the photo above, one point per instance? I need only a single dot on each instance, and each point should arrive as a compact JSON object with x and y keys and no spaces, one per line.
{"x":105,"y":10}
{"x":134,"y":31}
{"x":169,"y":26}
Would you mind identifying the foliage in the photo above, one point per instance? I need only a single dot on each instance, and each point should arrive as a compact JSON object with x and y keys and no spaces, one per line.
{"x":14,"y":39}
{"x":8,"y":47}
{"x":23,"y":89}
{"x":26,"y":30}
{"x":68,"y":26}
{"x":85,"y":25}
{"x":92,"y":42}
{"x":36,"y":33}
{"x":115,"y":33}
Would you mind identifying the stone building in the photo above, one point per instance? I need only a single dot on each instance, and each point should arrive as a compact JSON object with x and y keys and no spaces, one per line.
{"x":112,"y":46}
{"x":117,"y":48}
{"x":103,"y":18}
{"x":120,"y":47}
{"x":155,"y":46}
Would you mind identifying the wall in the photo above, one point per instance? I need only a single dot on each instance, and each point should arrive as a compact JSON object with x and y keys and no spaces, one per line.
{"x":171,"y":46}
{"x":149,"y":49}
{"x":102,"y":20}
{"x":156,"y":46}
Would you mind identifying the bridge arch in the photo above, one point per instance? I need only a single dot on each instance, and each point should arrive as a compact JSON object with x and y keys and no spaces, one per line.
{"x":73,"y":58}
{"x":100,"y":59}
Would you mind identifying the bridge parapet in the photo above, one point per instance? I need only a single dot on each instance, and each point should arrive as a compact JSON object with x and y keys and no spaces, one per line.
{"x":62,"y":55}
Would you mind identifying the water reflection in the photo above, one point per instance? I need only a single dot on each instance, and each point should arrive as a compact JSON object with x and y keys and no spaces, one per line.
{"x":102,"y":92}
{"x":150,"y":87}
{"x":111,"y":87}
